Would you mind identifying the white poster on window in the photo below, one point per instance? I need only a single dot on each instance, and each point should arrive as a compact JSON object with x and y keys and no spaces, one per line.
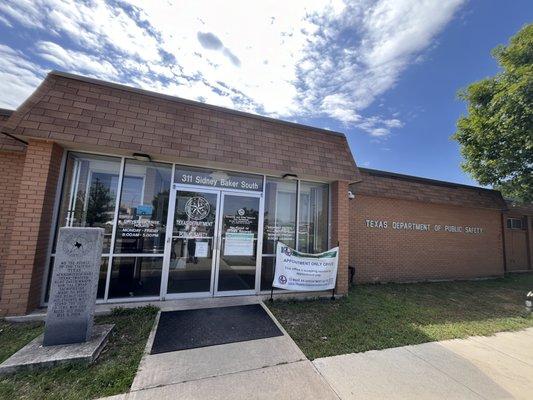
{"x":239,"y":244}
{"x":201,"y":249}
{"x":303,"y":271}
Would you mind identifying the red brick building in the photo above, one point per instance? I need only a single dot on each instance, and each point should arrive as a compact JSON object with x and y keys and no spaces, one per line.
{"x":171,"y":181}
{"x":406,"y":228}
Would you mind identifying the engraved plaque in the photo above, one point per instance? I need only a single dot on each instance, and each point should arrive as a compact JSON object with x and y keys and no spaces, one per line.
{"x":70,"y":314}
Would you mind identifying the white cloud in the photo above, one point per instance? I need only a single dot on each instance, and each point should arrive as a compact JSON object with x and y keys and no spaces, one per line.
{"x":75,"y":61}
{"x":360,"y":53}
{"x":296,"y":59}
{"x":23,"y":11}
{"x":18,"y":77}
{"x":5,"y":21}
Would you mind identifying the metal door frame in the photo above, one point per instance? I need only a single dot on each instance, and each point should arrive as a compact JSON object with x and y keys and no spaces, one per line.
{"x":215,"y":262}
{"x":165,"y":295}
{"x":257,"y":283}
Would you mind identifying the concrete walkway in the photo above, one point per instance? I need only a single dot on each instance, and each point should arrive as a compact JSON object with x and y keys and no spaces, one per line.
{"x":271,"y":368}
{"x":493,"y":367}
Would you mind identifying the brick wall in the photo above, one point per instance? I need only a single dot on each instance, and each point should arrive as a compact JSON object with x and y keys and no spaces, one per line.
{"x":340,"y":231}
{"x":11,"y":163}
{"x":384,"y":184}
{"x":12,"y":155}
{"x":25,"y":258}
{"x":388,"y":254}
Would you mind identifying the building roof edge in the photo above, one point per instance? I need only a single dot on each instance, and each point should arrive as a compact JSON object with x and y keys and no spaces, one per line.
{"x":190,"y":102}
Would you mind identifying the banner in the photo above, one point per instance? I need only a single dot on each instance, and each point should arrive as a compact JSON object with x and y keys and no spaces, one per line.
{"x":303,"y":271}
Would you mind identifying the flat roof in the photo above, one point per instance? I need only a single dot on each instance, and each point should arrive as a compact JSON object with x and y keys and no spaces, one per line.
{"x":393,"y":175}
{"x":190,"y":102}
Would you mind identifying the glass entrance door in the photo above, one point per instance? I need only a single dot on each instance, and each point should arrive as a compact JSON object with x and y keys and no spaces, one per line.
{"x":191,"y":243}
{"x":211,"y":243}
{"x":237,"y":260}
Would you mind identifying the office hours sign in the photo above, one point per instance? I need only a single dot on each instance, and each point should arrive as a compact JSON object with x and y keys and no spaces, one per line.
{"x":303,"y":271}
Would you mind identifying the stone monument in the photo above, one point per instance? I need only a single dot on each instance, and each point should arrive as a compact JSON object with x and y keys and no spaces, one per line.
{"x":69,"y":335}
{"x":74,"y":285}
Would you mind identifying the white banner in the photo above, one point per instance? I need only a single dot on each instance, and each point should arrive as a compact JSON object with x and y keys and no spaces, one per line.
{"x":303,"y":271}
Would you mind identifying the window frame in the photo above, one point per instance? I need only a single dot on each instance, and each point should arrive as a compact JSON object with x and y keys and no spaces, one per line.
{"x":111,"y":254}
{"x":511,"y":223}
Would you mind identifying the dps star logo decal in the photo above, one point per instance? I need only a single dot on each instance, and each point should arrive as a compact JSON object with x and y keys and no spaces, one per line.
{"x":197,"y":208}
{"x":77,"y":245}
{"x":286,"y":250}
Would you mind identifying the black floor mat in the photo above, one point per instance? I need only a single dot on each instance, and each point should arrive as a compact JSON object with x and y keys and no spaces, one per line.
{"x":189,"y":329}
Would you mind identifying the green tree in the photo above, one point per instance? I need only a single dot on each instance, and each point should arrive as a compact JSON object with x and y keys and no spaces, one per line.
{"x":100,"y":204}
{"x":496,"y":136}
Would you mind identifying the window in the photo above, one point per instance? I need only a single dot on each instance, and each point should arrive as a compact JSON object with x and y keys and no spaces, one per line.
{"x":89,"y":193}
{"x":279,"y":223}
{"x":283,"y":201}
{"x":514,"y":223}
{"x":313,"y":217}
{"x":135,"y":276}
{"x":280,"y":214}
{"x":129,"y":199}
{"x":141,"y":229}
{"x":142,"y":217}
{"x":89,"y":199}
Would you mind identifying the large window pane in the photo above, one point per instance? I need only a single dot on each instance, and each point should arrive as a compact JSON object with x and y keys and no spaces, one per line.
{"x":143,"y":208}
{"x":267,"y":272}
{"x":280,"y":214}
{"x":135,"y":276}
{"x":89,"y":193}
{"x":313,"y":217}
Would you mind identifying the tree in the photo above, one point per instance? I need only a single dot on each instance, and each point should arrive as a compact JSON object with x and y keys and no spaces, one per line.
{"x":99,"y":205}
{"x":496,"y":136}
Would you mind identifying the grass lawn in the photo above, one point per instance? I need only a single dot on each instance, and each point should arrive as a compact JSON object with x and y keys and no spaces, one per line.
{"x":382,"y":316}
{"x":112,"y":373}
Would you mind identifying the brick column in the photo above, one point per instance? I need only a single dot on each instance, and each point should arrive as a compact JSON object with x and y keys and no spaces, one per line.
{"x":11,"y":164}
{"x":340,"y":231}
{"x":32,"y":218}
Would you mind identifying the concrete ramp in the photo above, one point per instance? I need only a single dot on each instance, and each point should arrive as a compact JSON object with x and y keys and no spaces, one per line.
{"x":257,"y":369}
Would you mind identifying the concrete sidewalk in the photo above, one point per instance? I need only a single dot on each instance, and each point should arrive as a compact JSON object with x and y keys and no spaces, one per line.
{"x":271,"y":368}
{"x":494,"y":367}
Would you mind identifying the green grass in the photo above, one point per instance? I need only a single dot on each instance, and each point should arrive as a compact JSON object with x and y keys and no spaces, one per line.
{"x":382,"y":316}
{"x":112,"y":373}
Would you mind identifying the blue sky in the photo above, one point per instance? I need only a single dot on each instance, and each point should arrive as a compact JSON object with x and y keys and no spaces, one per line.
{"x":384,"y":72}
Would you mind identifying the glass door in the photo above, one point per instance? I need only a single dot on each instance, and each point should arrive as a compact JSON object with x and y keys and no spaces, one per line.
{"x":237,"y":247}
{"x":191,"y":243}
